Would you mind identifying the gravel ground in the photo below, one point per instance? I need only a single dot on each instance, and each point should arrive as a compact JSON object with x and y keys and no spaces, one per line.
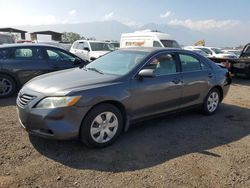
{"x":182,"y":150}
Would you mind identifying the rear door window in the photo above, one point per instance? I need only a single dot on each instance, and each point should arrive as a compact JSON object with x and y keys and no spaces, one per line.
{"x":23,"y":53}
{"x":58,"y":55}
{"x":4,"y":53}
{"x":189,"y":63}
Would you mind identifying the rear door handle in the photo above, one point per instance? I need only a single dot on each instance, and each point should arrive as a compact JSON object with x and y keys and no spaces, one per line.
{"x":55,"y":67}
{"x":210,"y":75}
{"x":176,"y":80}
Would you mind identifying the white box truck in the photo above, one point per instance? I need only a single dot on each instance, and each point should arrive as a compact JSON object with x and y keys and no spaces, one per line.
{"x":147,"y":39}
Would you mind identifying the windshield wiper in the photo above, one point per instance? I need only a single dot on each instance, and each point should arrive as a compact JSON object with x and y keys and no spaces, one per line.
{"x":96,"y":70}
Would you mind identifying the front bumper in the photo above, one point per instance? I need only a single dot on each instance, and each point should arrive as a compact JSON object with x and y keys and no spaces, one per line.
{"x":59,"y":123}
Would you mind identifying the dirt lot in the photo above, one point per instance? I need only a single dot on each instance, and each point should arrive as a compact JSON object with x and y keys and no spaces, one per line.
{"x":183,"y":150}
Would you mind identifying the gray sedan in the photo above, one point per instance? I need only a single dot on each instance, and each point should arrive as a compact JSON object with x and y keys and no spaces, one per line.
{"x":97,"y":102}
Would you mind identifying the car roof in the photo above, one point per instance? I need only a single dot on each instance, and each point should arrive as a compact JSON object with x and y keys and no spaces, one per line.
{"x":151,"y":49}
{"x":97,"y":41}
{"x":26,"y":45}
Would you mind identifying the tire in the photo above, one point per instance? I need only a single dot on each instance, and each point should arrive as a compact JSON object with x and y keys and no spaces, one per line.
{"x":248,"y":74}
{"x":212,"y":102}
{"x":101,"y":126}
{"x":8,"y":86}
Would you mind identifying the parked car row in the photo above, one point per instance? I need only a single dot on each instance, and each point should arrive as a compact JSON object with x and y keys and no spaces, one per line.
{"x":212,"y":52}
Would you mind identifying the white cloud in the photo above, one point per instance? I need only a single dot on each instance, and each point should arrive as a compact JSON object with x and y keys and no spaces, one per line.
{"x":205,"y":24}
{"x":166,"y":14}
{"x":28,"y":20}
{"x":72,"y":12}
{"x":108,"y":16}
{"x":130,"y":23}
{"x":70,"y":17}
{"x":17,"y":18}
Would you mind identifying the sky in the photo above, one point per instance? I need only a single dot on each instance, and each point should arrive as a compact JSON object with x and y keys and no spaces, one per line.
{"x":198,"y":15}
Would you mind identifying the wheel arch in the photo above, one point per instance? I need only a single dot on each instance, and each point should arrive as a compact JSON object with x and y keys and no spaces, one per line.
{"x":18,"y":84}
{"x":118,"y":105}
{"x":219,"y":88}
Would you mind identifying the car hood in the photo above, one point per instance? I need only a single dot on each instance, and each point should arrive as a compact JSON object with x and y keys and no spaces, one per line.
{"x":97,"y":54}
{"x":63,"y":82}
{"x":225,"y":55}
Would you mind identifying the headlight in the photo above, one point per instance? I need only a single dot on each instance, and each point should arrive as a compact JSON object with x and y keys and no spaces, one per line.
{"x":56,"y":102}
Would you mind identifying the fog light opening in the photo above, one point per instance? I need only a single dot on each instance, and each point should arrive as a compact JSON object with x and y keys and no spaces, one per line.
{"x":46,"y":131}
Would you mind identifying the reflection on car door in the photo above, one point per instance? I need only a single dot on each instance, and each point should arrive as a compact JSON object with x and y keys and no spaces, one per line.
{"x":196,"y":76}
{"x":160,"y":93}
{"x":59,"y":59}
{"x":26,"y":62}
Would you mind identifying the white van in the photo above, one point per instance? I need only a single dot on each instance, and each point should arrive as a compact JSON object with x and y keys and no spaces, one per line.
{"x":147,"y":39}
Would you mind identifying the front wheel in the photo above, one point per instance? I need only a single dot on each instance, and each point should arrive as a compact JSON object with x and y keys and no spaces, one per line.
{"x":102,"y":125}
{"x":211,"y":102}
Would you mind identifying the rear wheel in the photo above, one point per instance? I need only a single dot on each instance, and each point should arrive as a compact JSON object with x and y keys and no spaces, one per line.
{"x":211,"y":102}
{"x":102,"y":125}
{"x":248,"y":74}
{"x":7,"y":86}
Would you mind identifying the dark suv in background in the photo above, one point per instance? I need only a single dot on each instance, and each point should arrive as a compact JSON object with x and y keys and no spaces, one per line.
{"x":21,"y":62}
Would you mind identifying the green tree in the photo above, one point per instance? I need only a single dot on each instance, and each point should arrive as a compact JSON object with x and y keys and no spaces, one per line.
{"x":71,"y":37}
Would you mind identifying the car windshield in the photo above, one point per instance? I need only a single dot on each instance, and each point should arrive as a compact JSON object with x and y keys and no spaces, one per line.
{"x":205,"y":50}
{"x":100,"y":46}
{"x":217,"y":51}
{"x":201,"y":52}
{"x":119,"y":62}
{"x":115,"y":44}
{"x":170,"y":44}
{"x":246,"y":51}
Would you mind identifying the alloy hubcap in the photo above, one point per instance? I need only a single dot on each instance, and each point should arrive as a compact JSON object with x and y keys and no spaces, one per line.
{"x":104,"y":127}
{"x":212,"y":102}
{"x":5,"y":86}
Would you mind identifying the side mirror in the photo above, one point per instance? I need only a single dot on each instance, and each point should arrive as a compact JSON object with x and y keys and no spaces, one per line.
{"x":86,"y":49}
{"x":146,"y":73}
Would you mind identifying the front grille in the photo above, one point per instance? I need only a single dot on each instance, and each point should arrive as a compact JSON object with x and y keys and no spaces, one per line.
{"x":24,"y":99}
